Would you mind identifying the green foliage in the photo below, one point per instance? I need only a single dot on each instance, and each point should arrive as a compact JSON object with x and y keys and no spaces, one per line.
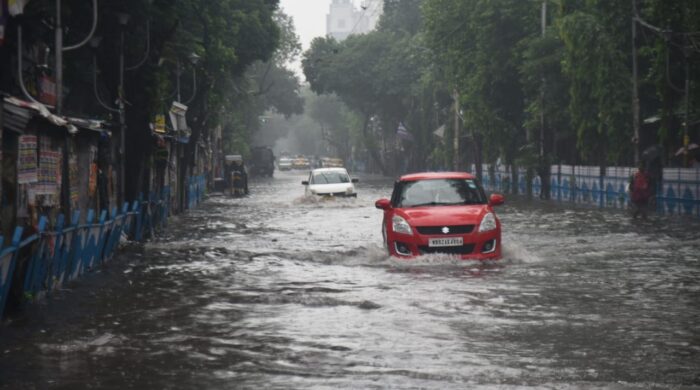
{"x":571,"y":85}
{"x":667,"y":57}
{"x":595,"y":62}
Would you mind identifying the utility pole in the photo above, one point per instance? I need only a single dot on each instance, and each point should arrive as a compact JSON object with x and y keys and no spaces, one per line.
{"x":455,"y":155}
{"x":544,"y":30}
{"x":59,"y":60}
{"x":178,"y":72}
{"x":543,"y":168}
{"x":635,"y":85}
{"x":123,"y":20}
{"x":686,"y":134}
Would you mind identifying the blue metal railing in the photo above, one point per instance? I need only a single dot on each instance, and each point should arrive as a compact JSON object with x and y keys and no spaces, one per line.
{"x":678,"y":193}
{"x":69,"y":249}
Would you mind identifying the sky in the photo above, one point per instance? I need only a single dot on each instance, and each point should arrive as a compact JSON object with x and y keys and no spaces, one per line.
{"x":309,"y":20}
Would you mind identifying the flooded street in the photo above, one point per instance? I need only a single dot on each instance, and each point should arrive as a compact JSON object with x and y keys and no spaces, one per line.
{"x":277,"y":291}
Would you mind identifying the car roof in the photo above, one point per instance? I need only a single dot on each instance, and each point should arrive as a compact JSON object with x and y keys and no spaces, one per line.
{"x":436,"y":175}
{"x":333,"y":169}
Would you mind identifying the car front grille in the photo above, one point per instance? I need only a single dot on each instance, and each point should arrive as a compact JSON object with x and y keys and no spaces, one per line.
{"x":437,"y":230}
{"x":332,"y":193}
{"x":450,"y":250}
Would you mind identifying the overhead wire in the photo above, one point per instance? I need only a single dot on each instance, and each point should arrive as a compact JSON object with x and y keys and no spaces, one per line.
{"x":377,"y":7}
{"x":668,"y":35}
{"x":364,"y":11}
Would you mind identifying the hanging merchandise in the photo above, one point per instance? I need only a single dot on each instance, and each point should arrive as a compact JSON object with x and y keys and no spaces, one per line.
{"x":48,"y":186}
{"x":27,"y":168}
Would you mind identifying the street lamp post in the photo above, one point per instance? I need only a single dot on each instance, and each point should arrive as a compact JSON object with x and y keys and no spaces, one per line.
{"x":193,"y":59}
{"x":123,"y":19}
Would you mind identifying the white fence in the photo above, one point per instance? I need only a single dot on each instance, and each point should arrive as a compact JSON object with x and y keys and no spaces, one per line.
{"x":678,"y":192}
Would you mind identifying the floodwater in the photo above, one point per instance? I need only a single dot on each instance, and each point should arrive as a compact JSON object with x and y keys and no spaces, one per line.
{"x":277,"y":291}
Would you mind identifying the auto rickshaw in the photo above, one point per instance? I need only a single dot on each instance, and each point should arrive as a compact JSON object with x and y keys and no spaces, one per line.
{"x":236,"y":175}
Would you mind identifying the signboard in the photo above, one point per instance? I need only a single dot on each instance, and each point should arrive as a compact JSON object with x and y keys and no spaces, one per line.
{"x":160,"y":124}
{"x":47,"y":90}
{"x":16,"y":7}
{"x":177,"y":116}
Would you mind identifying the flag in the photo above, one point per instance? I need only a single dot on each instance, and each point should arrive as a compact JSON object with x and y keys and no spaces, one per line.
{"x":402,"y":133}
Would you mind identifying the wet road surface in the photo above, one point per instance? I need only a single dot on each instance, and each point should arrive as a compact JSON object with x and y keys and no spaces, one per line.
{"x":277,"y":291}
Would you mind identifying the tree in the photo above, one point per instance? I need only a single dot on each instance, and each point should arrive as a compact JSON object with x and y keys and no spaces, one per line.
{"x":546,"y":93}
{"x":595,"y":62}
{"x":477,"y":42}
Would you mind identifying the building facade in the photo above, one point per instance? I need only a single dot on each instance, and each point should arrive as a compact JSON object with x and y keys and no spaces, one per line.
{"x":345,"y":19}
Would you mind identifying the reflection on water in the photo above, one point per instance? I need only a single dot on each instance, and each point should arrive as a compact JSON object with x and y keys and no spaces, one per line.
{"x":281,"y":291}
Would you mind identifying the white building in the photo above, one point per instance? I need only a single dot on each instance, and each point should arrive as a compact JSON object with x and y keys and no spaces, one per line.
{"x":344,"y":18}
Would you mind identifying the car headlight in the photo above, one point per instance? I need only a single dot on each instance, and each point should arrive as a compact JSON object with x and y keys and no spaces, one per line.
{"x":488,"y":223}
{"x":399,"y":225}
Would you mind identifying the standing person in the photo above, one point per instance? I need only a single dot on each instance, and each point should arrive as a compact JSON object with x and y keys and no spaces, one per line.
{"x":640,"y":192}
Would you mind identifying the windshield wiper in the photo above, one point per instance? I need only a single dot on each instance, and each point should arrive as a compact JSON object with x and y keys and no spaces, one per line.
{"x":433,"y":204}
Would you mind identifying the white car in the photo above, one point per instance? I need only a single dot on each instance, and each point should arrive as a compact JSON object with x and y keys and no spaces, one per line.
{"x":284,"y":164}
{"x":330,"y":182}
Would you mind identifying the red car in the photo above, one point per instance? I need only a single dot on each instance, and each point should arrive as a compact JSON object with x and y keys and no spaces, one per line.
{"x":441,"y":212}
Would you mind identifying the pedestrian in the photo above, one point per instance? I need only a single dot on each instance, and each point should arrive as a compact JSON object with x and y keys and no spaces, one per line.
{"x":640,"y":192}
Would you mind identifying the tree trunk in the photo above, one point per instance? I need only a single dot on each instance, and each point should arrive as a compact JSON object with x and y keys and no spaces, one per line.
{"x":371,"y":148}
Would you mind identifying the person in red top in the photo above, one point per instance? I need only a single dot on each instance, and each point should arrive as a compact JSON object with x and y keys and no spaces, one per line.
{"x":640,"y":192}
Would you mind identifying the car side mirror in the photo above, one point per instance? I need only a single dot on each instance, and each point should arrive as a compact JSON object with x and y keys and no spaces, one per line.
{"x":496,"y":200}
{"x":355,"y":180}
{"x":306,"y":183}
{"x":383,"y":204}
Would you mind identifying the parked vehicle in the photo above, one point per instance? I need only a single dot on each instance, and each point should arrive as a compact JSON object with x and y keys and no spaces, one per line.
{"x":331,"y":162}
{"x":236,"y":175}
{"x":301,"y":162}
{"x":284,"y":164}
{"x":330,"y":182}
{"x":441,"y":212}
{"x":262,"y":161}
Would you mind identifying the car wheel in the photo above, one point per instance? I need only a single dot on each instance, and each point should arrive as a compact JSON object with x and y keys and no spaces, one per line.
{"x":386,"y":243}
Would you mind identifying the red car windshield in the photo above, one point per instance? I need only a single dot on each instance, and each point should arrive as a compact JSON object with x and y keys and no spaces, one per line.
{"x":438,"y":192}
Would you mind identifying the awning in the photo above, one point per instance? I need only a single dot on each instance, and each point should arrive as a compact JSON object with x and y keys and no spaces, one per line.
{"x":15,"y":118}
{"x":99,"y":126}
{"x":19,"y":112}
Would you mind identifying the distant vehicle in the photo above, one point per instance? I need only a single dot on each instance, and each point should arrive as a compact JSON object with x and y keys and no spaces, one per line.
{"x":445,"y":212}
{"x":331,"y":162}
{"x":284,"y":164}
{"x":262,"y":161}
{"x":330,"y":182}
{"x":301,"y":162}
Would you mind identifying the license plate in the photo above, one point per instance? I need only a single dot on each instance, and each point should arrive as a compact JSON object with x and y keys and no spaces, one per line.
{"x":449,"y":241}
